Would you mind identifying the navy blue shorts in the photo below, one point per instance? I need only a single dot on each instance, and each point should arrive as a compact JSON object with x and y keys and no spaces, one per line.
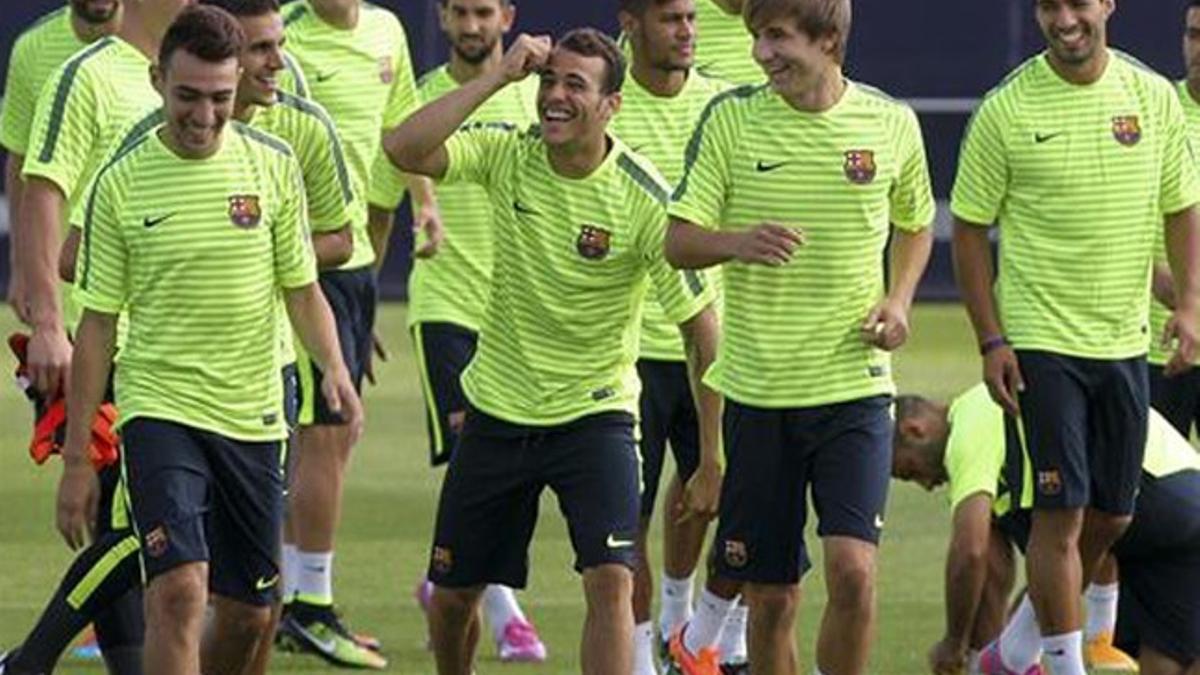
{"x":352,"y":296}
{"x":489,"y":502}
{"x":842,"y":451}
{"x":1159,"y":559}
{"x":1177,"y":398}
{"x":1084,"y":430}
{"x":198,"y":496}
{"x":443,"y":352}
{"x":668,"y":414}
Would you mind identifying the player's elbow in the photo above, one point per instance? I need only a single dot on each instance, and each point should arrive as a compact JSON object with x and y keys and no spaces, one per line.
{"x":674,"y":246}
{"x":334,"y":248}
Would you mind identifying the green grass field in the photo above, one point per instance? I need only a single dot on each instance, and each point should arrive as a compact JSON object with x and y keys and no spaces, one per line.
{"x":390,"y":498}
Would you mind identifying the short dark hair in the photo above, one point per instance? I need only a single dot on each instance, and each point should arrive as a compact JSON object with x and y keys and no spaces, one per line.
{"x":247,"y":8}
{"x":503,"y":3}
{"x":910,"y":405}
{"x":636,"y":7}
{"x":591,"y":42}
{"x":208,"y":33}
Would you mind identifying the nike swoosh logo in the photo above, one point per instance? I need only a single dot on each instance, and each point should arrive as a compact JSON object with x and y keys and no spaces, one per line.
{"x":1042,"y":138}
{"x":323,"y":77}
{"x":521,"y":208}
{"x":151,"y":222}
{"x":637,"y":148}
{"x":878,"y":522}
{"x":764,"y":167}
{"x":613,"y":542}
{"x":263,"y":584}
{"x":325,"y":646}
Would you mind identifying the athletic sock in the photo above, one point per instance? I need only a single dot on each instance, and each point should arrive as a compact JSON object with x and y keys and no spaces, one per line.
{"x":732,"y":645}
{"x":1021,"y":641}
{"x":314,"y":583}
{"x":1064,"y":653}
{"x":643,"y":649}
{"x":675,"y":603}
{"x":704,"y":629}
{"x":1101,"y":602}
{"x":500,"y":606}
{"x":291,"y":572}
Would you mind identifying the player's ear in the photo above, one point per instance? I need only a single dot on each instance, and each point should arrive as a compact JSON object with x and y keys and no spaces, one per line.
{"x":508,"y":16}
{"x":911,"y":428}
{"x":158,"y":79}
{"x":627,"y":22}
{"x":612,"y":104}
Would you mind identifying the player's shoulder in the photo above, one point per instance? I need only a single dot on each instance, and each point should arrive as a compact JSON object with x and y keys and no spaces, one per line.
{"x":1020,"y":83}
{"x":48,"y":27}
{"x":880,"y":102}
{"x":641,"y":176}
{"x":382,"y":18}
{"x":307,"y":111}
{"x":89,"y":64}
{"x":267,"y":144}
{"x":433,"y":81}
{"x":125,"y":157}
{"x":296,"y":15}
{"x":1142,"y":75}
{"x":739,"y":102}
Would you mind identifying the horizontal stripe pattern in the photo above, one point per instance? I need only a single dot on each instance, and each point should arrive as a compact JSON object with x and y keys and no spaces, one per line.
{"x":36,"y":54}
{"x":363,"y":78}
{"x":197,"y":251}
{"x":843,"y":175}
{"x":658,"y":128}
{"x":573,"y":260}
{"x":1078,"y":179}
{"x":724,"y":46}
{"x":453,"y":285}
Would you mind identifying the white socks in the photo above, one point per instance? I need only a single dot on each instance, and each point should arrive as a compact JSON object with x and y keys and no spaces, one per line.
{"x":643,"y":649}
{"x":733,"y":635}
{"x":314,"y":580}
{"x":499,"y":607}
{"x":1101,"y":602}
{"x":1064,"y":653}
{"x":675,"y":603}
{"x":705,"y":627}
{"x":290,"y":571}
{"x":1021,"y":641}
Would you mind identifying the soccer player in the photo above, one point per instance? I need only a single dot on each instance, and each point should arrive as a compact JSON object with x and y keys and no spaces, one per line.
{"x":969,"y":447}
{"x":1080,"y":155}
{"x":724,"y":48}
{"x":355,"y":58}
{"x":552,"y":389}
{"x":38,"y":51}
{"x":808,"y":326}
{"x":199,"y":262}
{"x":1178,"y":396}
{"x":448,"y":292}
{"x":80,"y":115}
{"x":662,"y":100}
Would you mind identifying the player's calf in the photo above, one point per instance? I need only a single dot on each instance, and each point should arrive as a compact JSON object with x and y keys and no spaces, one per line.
{"x":608,"y":628}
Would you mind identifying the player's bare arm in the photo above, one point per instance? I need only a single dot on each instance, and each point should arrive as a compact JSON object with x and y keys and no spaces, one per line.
{"x":1182,"y":236}
{"x":974,"y":270}
{"x":427,"y":218}
{"x":79,"y":489}
{"x":12,"y":188}
{"x":332,"y":248}
{"x":36,"y":232}
{"x":966,"y":574}
{"x":701,"y":494}
{"x":886,"y":326}
{"x":417,"y":145}
{"x":690,"y":246}
{"x":313,"y":320}
{"x":1162,"y":285}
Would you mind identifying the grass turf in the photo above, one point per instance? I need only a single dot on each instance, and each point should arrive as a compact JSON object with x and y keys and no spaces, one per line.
{"x":390,"y":497}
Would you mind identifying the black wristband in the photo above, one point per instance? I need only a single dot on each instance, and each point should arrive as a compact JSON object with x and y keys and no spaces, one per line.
{"x":992,"y":344}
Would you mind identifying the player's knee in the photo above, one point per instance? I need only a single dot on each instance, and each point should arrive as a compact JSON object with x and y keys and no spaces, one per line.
{"x":1105,"y":528}
{"x":608,"y":585}
{"x":455,"y":603}
{"x":851,"y":584}
{"x":250,"y":621}
{"x":1057,"y":530}
{"x":773,"y":604}
{"x":177,"y":595}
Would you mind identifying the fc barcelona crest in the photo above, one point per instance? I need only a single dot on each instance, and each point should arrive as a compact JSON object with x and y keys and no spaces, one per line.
{"x":593,"y":242}
{"x":244,"y":211}
{"x":860,"y":166}
{"x":386,"y":72}
{"x":1127,"y":130}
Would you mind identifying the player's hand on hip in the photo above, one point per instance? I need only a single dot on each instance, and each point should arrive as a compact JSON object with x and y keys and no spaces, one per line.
{"x":78,"y":502}
{"x":428,"y":219}
{"x":945,"y":658}
{"x":343,"y":400}
{"x":886,"y":326}
{"x":528,"y":54}
{"x":1002,"y":374}
{"x":701,"y":494}
{"x":769,"y":244}
{"x":49,"y":360}
{"x":1180,"y":331}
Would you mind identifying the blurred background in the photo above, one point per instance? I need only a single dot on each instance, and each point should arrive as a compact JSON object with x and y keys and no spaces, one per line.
{"x":940,"y":55}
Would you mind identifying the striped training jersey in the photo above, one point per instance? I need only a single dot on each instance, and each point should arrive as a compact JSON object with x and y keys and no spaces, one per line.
{"x":573,"y":258}
{"x":363,"y":77}
{"x":658,"y":128}
{"x":1079,"y":178}
{"x":845,"y":175}
{"x":82,"y":114}
{"x":724,"y":46}
{"x":196,"y":251}
{"x":1159,"y":315}
{"x":452,"y":286}
{"x":38,"y":51}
